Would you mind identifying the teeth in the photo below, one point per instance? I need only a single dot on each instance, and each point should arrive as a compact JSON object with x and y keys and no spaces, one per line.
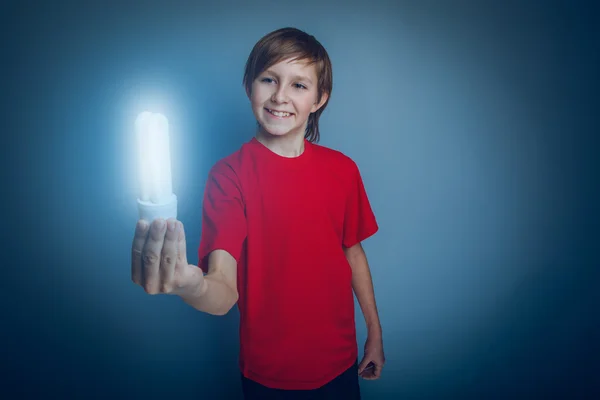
{"x":280,"y":114}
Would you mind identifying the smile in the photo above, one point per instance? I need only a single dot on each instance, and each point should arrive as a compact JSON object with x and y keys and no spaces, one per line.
{"x":279,"y":114}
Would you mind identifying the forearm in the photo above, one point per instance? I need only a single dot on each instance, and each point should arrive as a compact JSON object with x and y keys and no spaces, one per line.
{"x":362,"y":284}
{"x":212,"y":295}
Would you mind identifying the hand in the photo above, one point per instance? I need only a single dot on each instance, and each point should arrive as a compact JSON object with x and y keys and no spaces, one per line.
{"x":158,"y":258}
{"x":372,"y":363}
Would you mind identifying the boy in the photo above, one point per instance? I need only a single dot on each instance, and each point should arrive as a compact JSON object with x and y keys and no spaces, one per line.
{"x":282,"y":224}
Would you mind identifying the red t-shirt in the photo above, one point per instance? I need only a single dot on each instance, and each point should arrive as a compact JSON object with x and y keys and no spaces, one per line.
{"x":285,"y":221}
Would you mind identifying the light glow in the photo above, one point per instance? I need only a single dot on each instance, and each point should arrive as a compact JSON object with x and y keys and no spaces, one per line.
{"x":154,"y":158}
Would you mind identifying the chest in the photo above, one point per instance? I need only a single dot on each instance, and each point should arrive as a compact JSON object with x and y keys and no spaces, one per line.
{"x":310,"y":198}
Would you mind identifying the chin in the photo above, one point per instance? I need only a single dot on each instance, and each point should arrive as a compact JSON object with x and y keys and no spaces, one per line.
{"x":276,"y":130}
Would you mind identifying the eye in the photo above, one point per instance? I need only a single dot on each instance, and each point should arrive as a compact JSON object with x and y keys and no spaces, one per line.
{"x":299,"y":86}
{"x":266,"y":80}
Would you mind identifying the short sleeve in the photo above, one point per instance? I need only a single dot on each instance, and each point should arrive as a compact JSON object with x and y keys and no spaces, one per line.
{"x":359,"y":220}
{"x":223,"y":215}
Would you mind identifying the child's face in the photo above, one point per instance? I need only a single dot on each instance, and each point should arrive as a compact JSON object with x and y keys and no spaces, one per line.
{"x":289,"y":87}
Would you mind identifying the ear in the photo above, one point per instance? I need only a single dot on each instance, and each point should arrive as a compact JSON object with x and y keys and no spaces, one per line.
{"x":316,"y":106}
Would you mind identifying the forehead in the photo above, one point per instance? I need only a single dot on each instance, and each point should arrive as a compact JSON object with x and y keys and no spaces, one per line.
{"x":294,"y":67}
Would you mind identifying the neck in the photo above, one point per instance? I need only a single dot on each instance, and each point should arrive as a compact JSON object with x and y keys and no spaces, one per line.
{"x":290,"y":145}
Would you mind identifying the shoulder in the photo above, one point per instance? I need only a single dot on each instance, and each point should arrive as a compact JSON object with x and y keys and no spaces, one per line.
{"x":231,"y":164}
{"x":334,"y":158}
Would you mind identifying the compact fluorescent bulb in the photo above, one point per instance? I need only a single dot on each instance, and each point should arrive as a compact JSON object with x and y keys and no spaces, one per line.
{"x":156,"y":198}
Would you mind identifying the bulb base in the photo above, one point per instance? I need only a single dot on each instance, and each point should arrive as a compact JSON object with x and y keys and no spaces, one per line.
{"x":151,"y":211}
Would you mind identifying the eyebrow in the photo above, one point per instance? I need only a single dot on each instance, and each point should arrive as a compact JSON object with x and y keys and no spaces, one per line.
{"x":297,"y":77}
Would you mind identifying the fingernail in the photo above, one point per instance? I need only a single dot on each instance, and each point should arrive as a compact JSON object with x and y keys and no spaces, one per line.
{"x":171,"y":225}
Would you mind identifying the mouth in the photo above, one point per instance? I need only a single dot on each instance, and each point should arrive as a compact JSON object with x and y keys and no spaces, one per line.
{"x":279,"y":114}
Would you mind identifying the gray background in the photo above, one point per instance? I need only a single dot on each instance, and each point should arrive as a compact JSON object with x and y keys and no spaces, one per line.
{"x":471,"y":123}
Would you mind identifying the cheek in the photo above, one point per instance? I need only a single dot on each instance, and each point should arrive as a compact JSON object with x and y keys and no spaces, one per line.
{"x":258,"y":97}
{"x":305,"y":105}
{"x":255,"y":103}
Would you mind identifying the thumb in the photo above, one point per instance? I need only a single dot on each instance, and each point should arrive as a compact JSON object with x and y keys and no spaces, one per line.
{"x":362,"y":365}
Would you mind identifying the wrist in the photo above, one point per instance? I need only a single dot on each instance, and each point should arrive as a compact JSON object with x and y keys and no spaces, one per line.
{"x":374,"y":330}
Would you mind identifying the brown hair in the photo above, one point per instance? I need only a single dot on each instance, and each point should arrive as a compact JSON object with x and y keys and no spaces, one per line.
{"x":299,"y":46}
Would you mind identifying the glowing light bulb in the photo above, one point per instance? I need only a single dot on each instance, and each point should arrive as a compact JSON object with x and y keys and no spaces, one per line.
{"x":156,"y":198}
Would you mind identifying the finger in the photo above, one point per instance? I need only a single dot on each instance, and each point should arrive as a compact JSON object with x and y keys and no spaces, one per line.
{"x":367,"y":374}
{"x":377,"y":371}
{"x":369,"y":371}
{"x":139,"y":238}
{"x":169,"y":256}
{"x":151,"y":255}
{"x":181,"y":251}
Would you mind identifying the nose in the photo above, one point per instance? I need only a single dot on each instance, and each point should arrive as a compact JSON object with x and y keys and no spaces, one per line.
{"x":279,"y":95}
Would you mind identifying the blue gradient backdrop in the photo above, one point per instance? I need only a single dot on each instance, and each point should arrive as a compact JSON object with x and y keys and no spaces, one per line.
{"x":472,"y":125}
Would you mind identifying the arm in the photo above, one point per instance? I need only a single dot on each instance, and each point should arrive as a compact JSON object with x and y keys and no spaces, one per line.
{"x":217,"y":292}
{"x":362,"y":285}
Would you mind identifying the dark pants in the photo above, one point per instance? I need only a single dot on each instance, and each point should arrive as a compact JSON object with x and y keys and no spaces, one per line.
{"x":343,"y":387}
